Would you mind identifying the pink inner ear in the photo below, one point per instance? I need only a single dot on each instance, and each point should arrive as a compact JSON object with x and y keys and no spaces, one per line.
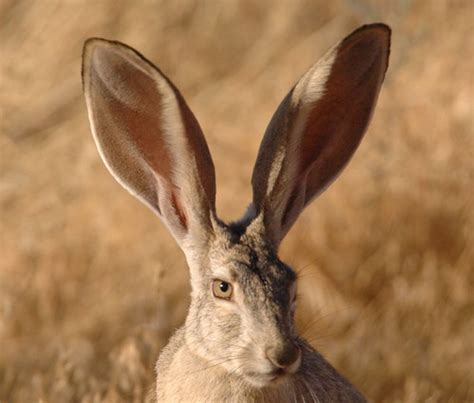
{"x":318,"y":132}
{"x":179,"y":209}
{"x":148,"y":137}
{"x":337,"y":122}
{"x":135,"y":99}
{"x":134,"y":122}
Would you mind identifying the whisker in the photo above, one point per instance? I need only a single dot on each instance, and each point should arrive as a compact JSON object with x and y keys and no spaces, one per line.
{"x":317,"y":319}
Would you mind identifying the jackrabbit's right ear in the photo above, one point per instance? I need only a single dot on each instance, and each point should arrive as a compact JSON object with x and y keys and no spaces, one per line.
{"x":148,"y":138}
{"x":317,"y":128}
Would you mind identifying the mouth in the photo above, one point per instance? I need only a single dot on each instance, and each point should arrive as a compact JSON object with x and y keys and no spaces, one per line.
{"x":263,"y":379}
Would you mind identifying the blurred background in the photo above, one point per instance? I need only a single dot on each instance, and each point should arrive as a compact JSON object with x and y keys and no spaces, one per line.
{"x":91,"y":283}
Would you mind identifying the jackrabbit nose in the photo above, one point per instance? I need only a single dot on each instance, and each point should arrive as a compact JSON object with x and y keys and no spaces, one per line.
{"x":284,"y":356}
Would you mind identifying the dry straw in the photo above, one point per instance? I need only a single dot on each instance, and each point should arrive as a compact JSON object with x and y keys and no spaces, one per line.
{"x":91,"y":285}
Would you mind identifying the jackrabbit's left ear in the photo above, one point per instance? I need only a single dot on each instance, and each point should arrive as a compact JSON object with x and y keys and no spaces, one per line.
{"x":317,"y":128}
{"x":149,"y":139}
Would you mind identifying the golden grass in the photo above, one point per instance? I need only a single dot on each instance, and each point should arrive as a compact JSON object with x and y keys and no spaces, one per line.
{"x":92,"y":285}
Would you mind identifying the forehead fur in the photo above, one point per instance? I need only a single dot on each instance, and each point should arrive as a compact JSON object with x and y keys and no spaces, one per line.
{"x":246,"y":258}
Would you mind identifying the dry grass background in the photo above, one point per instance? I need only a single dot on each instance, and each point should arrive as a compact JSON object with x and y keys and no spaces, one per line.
{"x":92,"y":285}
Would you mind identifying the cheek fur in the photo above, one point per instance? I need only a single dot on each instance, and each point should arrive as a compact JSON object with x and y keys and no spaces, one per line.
{"x":222,"y":324}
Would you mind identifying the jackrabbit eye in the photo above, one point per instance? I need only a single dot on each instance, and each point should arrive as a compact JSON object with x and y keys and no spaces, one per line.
{"x":221,"y":289}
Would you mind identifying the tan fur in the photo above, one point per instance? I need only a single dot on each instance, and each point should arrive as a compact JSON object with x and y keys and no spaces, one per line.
{"x":244,"y":348}
{"x":185,"y":377}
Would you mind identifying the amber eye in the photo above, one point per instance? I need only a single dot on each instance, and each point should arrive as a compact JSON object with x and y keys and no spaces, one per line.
{"x":221,"y":289}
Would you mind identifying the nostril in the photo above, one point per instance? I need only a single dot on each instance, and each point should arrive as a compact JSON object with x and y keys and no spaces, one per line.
{"x":283,"y":357}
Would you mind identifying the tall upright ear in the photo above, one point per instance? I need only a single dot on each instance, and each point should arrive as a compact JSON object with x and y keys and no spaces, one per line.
{"x":148,"y":137}
{"x":317,"y":128}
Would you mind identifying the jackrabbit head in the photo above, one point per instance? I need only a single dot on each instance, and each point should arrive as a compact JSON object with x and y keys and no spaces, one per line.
{"x":243,"y":296}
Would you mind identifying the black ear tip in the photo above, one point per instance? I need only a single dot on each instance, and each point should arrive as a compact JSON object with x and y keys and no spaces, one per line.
{"x":103,"y":52}
{"x":100,"y":43}
{"x":378,"y":33}
{"x":93,"y":42}
{"x":369,"y":42}
{"x":104,"y":45}
{"x":382,"y":37}
{"x":380,"y":26}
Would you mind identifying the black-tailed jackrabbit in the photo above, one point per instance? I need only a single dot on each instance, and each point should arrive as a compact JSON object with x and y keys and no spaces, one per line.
{"x":239,"y":342}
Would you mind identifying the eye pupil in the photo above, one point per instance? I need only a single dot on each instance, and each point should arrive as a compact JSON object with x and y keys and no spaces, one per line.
{"x":224,"y":286}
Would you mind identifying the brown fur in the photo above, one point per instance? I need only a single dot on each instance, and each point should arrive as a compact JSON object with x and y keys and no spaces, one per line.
{"x":246,"y":348}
